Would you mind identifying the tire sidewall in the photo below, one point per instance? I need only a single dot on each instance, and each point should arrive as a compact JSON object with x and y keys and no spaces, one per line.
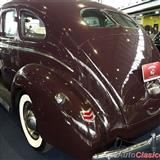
{"x":36,"y":144}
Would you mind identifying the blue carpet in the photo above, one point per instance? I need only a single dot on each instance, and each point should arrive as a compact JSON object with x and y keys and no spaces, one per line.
{"x":13,"y":145}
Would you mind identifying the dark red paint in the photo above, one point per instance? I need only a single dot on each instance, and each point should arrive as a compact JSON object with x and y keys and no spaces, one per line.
{"x":96,"y":68}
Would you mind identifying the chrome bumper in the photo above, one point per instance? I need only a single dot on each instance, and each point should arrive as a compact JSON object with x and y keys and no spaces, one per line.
{"x":107,"y":155}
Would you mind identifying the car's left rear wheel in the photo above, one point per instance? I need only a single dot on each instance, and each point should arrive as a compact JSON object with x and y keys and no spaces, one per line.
{"x":29,"y":122}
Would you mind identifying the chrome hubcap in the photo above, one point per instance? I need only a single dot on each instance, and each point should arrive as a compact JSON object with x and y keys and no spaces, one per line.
{"x":30,"y":120}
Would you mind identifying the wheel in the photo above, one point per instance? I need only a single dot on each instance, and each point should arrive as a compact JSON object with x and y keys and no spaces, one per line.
{"x":29,"y":123}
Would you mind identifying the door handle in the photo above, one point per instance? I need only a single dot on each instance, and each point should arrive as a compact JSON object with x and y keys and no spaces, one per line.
{"x":152,"y":113}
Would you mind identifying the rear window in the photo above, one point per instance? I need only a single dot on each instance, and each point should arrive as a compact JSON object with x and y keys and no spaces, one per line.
{"x":96,"y":18}
{"x":122,"y":19}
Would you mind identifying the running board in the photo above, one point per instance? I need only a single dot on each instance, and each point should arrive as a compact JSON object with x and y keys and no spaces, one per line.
{"x":5,"y":98}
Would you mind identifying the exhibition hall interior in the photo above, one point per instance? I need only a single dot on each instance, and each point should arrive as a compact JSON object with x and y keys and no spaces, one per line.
{"x":79,"y":79}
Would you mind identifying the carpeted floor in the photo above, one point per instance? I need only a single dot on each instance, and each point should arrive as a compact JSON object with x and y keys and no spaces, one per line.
{"x":13,"y":145}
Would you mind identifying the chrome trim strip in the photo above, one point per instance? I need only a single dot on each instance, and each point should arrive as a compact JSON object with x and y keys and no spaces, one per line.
{"x":95,"y":76}
{"x":104,"y":77}
{"x":107,"y":155}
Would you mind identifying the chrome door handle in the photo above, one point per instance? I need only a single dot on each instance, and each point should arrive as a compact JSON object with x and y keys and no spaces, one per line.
{"x":154,"y":112}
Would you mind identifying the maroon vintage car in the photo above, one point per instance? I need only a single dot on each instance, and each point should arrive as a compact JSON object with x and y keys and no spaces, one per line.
{"x":81,"y":75}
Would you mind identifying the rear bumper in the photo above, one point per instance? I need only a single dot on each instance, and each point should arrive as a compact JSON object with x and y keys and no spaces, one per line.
{"x":107,"y":155}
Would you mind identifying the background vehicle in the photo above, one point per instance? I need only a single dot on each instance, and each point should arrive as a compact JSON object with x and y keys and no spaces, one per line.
{"x":156,"y":40}
{"x":81,"y":75}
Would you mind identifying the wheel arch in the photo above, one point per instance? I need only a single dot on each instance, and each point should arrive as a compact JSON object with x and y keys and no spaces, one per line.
{"x":29,"y":79}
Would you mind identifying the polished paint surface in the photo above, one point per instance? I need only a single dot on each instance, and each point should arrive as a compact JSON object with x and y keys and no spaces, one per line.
{"x":97,"y":70}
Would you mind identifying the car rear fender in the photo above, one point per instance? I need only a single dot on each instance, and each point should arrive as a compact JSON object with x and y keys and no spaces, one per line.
{"x":60,"y":120}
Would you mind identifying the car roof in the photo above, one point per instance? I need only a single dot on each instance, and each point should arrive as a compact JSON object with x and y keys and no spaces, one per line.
{"x":60,"y":14}
{"x":54,"y":3}
{"x":70,"y":9}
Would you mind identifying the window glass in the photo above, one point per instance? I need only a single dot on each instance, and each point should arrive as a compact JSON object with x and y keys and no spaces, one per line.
{"x":96,"y":18}
{"x":10,"y":25}
{"x":32,"y":26}
{"x":123,"y":19}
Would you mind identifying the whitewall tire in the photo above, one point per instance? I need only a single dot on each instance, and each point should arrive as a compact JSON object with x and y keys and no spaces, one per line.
{"x":33,"y":138}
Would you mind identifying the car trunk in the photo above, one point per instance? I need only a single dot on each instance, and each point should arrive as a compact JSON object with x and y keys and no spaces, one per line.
{"x":120,"y":58}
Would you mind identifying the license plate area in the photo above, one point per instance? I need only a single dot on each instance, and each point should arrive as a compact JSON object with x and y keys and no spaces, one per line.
{"x":151,"y":71}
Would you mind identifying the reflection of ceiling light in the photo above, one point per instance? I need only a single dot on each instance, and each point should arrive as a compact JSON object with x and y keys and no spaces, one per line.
{"x":44,"y":7}
{"x":83,"y":23}
{"x":128,"y":40}
{"x":156,"y":12}
{"x":81,"y":5}
{"x":95,"y":51}
{"x":140,"y":15}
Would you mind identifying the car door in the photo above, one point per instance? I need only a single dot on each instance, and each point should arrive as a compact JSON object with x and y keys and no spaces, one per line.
{"x":32,"y":34}
{"x":36,"y":45}
{"x":8,"y":45}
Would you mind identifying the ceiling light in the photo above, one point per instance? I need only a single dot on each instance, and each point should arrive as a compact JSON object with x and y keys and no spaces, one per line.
{"x":156,"y":12}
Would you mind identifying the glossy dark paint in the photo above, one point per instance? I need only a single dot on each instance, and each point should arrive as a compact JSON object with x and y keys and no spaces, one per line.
{"x":94,"y":67}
